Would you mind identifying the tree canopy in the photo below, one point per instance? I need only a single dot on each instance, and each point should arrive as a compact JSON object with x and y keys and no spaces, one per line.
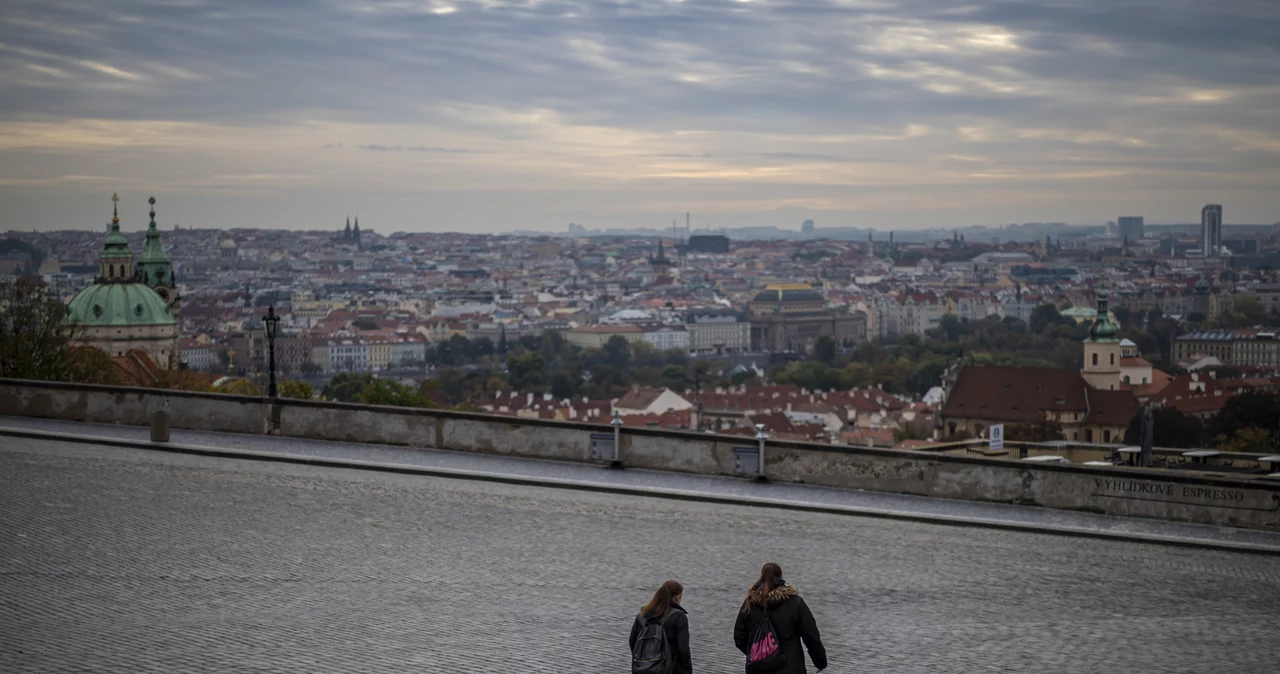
{"x":35,"y":343}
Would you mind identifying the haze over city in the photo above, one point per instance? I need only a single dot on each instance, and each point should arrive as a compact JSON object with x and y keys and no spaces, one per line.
{"x":491,"y":116}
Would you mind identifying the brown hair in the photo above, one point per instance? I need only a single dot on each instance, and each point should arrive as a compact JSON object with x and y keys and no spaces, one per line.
{"x":661,"y":602}
{"x":758,"y":593}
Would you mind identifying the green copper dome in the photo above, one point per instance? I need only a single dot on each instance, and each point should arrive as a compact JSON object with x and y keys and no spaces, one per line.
{"x":116,"y":246}
{"x":119,"y":305}
{"x":1103,"y":329}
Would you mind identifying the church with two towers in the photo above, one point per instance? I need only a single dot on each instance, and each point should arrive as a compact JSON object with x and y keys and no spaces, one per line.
{"x":133,"y":303}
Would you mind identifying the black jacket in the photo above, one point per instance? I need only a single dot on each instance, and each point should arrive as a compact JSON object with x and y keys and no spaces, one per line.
{"x":792,"y":622}
{"x":677,"y":628}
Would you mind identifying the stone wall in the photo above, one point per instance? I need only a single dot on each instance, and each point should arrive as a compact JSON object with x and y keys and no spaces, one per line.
{"x":1243,"y":501}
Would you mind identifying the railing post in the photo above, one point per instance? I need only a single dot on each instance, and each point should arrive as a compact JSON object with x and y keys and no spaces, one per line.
{"x":160,"y":419}
{"x":617,"y":441}
{"x":761,"y":436}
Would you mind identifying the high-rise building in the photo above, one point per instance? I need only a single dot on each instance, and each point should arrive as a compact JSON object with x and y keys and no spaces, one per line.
{"x":1130,"y":226}
{"x":807,"y":227}
{"x":1211,"y":229}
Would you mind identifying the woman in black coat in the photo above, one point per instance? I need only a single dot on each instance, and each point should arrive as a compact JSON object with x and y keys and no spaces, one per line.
{"x":772,"y":599}
{"x":665,"y":606}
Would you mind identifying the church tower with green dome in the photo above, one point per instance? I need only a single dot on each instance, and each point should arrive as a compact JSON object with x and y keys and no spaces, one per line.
{"x":116,"y":263}
{"x":1102,"y":350}
{"x":154,"y":268}
{"x":120,"y":312}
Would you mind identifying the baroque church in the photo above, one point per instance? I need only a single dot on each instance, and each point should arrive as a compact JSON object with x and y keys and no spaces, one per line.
{"x":133,"y":303}
{"x":1093,"y":404}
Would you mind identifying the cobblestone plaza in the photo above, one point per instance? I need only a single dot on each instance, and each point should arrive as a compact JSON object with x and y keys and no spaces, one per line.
{"x":133,"y":561}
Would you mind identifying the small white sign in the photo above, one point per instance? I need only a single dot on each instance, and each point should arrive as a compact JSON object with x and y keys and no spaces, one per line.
{"x":997,"y":438}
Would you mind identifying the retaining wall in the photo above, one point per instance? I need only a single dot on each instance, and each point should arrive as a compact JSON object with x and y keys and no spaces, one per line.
{"x":1234,"y":500}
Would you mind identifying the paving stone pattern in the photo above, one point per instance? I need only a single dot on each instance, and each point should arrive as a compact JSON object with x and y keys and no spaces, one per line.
{"x":116,"y":560}
{"x":713,"y":485}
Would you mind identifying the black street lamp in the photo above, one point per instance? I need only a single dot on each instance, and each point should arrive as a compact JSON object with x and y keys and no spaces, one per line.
{"x":272,"y":323}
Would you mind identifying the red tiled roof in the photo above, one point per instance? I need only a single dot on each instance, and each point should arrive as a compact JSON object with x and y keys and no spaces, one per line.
{"x":1206,"y":395}
{"x":1023,"y":394}
{"x":639,"y":400}
{"x":1019,"y":394}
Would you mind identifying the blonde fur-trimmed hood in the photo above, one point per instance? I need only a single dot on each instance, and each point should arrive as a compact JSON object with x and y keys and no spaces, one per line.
{"x":774,"y":597}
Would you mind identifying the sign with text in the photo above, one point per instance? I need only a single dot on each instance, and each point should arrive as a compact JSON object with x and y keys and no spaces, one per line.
{"x":602,"y":446}
{"x":746,"y":460}
{"x":1234,"y":498}
{"x":997,"y":438}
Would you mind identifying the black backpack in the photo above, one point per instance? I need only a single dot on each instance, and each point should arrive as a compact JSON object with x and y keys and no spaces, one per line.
{"x":653,"y":654}
{"x":766,"y":654}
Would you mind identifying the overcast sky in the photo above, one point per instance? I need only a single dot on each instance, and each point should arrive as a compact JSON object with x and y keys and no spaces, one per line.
{"x":493,"y":115}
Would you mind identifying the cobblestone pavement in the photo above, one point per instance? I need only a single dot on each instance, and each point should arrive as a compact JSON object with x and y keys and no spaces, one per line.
{"x":712,"y":485}
{"x":133,"y":561}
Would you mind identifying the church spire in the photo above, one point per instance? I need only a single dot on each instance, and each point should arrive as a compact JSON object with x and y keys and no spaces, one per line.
{"x":116,"y":263}
{"x":1103,"y":329}
{"x":154,"y":267}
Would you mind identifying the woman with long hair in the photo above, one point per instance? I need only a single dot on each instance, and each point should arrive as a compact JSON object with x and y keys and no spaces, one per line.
{"x":773,"y":622}
{"x":661,"y":631}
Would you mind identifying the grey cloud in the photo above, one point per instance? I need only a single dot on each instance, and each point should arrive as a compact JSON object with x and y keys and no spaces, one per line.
{"x":800,"y":156}
{"x":795,"y":68}
{"x":413,"y":148}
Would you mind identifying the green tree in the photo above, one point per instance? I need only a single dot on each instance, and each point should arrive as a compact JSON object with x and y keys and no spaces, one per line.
{"x":744,"y":378}
{"x":563,"y":384}
{"x":675,"y":377}
{"x":1123,"y":315}
{"x":239,"y":387}
{"x":1255,"y":409}
{"x":1245,"y":311}
{"x":390,"y":392}
{"x":1171,"y":428}
{"x":527,"y":372}
{"x":297,"y":389}
{"x":481,"y":348}
{"x":1040,"y":431}
{"x":1045,"y":316}
{"x":1252,"y":440}
{"x":448,"y":382}
{"x":346,"y":387}
{"x":617,"y":352}
{"x":950,"y":327}
{"x":35,"y":342}
{"x":824,"y":350}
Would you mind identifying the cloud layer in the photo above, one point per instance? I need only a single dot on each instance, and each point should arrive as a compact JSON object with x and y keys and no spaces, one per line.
{"x":487,"y":115}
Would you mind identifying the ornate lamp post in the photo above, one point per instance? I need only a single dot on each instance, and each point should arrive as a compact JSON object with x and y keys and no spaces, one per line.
{"x":272,"y":323}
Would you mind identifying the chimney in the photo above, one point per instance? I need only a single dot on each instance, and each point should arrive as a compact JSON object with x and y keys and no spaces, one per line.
{"x":529,"y":400}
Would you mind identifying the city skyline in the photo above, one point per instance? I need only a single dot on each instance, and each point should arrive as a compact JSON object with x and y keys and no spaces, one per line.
{"x":494,"y":117}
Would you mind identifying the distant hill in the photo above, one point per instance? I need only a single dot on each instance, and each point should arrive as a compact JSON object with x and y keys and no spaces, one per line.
{"x":16,"y":245}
